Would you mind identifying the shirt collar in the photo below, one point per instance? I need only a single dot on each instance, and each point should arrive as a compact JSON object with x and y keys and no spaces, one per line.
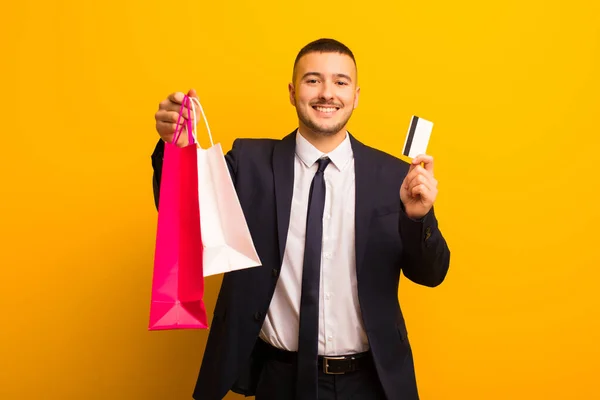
{"x":309,"y":154}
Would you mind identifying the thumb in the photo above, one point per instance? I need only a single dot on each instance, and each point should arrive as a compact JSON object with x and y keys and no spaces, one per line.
{"x":192,"y":93}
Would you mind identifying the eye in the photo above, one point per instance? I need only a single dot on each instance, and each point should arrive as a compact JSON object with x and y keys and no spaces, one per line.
{"x":311,"y":81}
{"x":342,"y":83}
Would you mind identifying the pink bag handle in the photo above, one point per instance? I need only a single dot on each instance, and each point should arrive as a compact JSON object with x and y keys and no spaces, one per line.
{"x":189,"y":126}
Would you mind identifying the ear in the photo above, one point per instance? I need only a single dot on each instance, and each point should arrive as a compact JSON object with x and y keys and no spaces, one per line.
{"x":292,"y":94}
{"x":356,"y":97}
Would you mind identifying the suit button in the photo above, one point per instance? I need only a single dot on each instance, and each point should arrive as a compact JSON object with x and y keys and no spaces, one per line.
{"x":258,"y":315}
{"x":275,"y":272}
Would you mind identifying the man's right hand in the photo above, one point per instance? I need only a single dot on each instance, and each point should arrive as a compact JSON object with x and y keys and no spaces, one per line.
{"x":168,"y":113}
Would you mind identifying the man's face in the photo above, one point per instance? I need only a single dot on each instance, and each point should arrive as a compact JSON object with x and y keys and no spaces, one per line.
{"x":324,"y":92}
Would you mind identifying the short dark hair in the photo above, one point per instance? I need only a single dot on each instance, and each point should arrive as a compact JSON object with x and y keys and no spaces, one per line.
{"x":324,"y":45}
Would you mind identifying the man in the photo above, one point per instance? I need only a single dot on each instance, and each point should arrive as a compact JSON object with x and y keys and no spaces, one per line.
{"x":334,"y":222}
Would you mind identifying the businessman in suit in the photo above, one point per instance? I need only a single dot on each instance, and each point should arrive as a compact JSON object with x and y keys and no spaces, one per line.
{"x":334,"y":222}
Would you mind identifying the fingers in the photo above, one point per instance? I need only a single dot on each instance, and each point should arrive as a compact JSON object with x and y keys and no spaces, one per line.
{"x":425,"y":159}
{"x":167,"y":124}
{"x":171,"y":107}
{"x":423,"y":186}
{"x":419,"y":176}
{"x":176,"y":98}
{"x":168,"y":116}
{"x":419,"y":184}
{"x":426,"y":192}
{"x":173,"y":103}
{"x":192,"y":94}
{"x":420,"y":179}
{"x":172,"y":116}
{"x":167,"y":131}
{"x":421,"y":190}
{"x":423,"y":173}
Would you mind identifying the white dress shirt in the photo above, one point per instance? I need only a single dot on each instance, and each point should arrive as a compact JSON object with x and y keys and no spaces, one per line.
{"x":341,"y":330}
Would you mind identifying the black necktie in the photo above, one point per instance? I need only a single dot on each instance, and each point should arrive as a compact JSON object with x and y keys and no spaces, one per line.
{"x":308,"y":335}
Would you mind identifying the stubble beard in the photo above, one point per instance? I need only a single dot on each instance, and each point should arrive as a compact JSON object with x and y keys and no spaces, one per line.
{"x":321,"y":130}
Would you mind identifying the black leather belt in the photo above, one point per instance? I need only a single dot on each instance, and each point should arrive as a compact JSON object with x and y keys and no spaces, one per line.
{"x":344,"y":364}
{"x":328,"y":364}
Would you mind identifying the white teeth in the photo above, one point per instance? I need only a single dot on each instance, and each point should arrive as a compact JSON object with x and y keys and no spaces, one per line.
{"x":326,"y":109}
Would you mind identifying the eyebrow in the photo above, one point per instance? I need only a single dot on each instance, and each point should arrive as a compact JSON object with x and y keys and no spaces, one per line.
{"x":320,"y":75}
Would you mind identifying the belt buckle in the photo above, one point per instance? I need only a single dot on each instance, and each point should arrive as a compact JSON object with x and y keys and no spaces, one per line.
{"x":326,"y":365}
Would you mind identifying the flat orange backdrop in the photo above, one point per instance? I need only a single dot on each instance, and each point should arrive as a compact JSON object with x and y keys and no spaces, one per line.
{"x":511,"y":86}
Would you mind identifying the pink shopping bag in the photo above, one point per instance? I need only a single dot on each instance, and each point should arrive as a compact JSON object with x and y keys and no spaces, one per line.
{"x":178,"y":281}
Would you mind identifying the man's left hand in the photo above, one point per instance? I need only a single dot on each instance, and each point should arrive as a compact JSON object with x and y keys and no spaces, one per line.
{"x":419,"y":189}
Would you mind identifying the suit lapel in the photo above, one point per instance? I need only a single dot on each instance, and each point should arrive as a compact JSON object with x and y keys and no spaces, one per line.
{"x":365,"y":171}
{"x":283,"y":171}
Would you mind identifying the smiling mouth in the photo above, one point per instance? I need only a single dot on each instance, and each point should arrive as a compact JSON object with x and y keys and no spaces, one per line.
{"x":326,"y":109}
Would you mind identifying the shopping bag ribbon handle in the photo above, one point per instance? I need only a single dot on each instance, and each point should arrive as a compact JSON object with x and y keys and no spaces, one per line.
{"x":188,"y":122}
{"x":195,"y":131}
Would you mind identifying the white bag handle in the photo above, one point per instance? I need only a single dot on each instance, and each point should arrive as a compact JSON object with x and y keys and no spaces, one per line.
{"x":195,"y":130}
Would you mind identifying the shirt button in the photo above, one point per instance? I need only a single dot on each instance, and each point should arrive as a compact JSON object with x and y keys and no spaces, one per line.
{"x":329,"y":338}
{"x":275,"y":272}
{"x":327,"y":296}
{"x":327,"y":255}
{"x":327,"y":216}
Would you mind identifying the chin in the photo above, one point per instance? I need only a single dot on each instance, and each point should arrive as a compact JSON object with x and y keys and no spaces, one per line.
{"x":323,"y":130}
{"x":327,"y":132}
{"x":330,"y":128}
{"x":324,"y":134}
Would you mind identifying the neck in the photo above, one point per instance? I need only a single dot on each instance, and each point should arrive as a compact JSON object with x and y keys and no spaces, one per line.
{"x":325,"y":144}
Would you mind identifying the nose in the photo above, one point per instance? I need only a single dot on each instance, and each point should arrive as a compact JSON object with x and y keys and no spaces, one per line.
{"x":326,"y":91}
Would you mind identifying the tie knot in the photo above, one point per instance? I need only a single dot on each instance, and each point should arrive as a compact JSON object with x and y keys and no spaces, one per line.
{"x":323,"y":163}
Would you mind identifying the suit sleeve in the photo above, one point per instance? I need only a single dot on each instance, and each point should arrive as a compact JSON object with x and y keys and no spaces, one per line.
{"x":157,"y":165}
{"x":232,"y":159}
{"x":426,"y":256}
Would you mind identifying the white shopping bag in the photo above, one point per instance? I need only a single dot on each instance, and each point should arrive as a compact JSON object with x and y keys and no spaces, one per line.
{"x":226,"y":238}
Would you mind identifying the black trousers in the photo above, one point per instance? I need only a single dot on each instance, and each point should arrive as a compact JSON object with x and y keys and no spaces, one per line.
{"x":278,"y":382}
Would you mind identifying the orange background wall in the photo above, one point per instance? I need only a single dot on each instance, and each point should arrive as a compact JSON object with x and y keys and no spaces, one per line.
{"x":511,"y":86}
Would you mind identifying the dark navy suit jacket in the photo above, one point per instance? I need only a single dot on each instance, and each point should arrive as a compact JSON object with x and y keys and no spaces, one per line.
{"x":387,"y":242}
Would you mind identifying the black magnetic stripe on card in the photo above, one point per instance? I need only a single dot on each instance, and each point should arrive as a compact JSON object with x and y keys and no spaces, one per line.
{"x":411,"y":134}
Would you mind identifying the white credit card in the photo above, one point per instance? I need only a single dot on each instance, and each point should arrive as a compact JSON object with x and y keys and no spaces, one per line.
{"x":417,"y":137}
